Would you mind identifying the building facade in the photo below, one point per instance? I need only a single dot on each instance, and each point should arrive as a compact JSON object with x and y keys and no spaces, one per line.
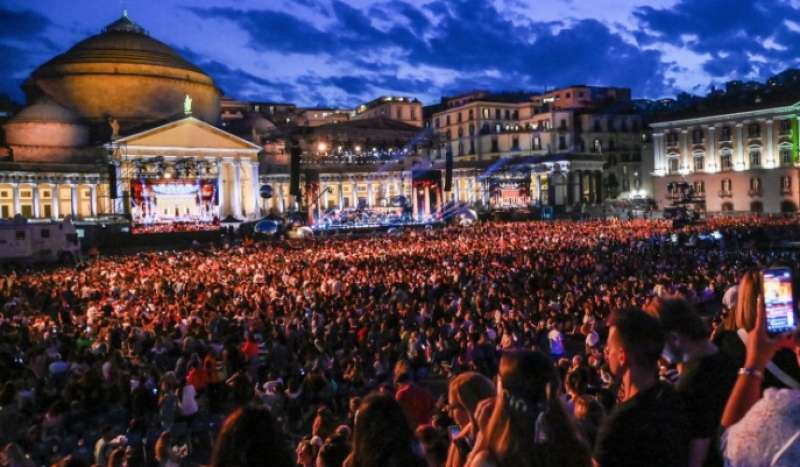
{"x":736,"y":162}
{"x":403,"y":109}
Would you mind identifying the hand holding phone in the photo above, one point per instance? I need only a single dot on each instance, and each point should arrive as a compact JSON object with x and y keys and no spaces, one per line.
{"x":779,"y":300}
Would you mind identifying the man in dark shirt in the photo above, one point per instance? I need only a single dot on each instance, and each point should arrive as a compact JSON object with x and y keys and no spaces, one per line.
{"x":706,"y":377}
{"x":649,"y":427}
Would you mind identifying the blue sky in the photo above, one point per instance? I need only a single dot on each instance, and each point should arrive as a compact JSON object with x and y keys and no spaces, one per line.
{"x":342,"y":52}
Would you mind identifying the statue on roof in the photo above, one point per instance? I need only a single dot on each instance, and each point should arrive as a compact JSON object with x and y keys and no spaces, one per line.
{"x":187,"y":105}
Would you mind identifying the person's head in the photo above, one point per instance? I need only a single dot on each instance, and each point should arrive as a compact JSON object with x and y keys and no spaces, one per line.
{"x":435,"y":444}
{"x":249,"y":437}
{"x":682,"y":327}
{"x":333,"y":452}
{"x":635,"y":341}
{"x":382,"y":436}
{"x":743,"y":316}
{"x":464,"y":393}
{"x":527,"y":393}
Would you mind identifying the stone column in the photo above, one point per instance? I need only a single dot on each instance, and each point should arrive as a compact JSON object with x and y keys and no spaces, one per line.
{"x":325,"y":198}
{"x":353,"y":195}
{"x":660,"y":164}
{"x":256,"y":189}
{"x":119,"y":201}
{"x":73,"y":197}
{"x":581,"y":185}
{"x":570,"y":188}
{"x":237,"y":189}
{"x":551,"y":189}
{"x":712,"y":149}
{"x":37,"y":210}
{"x":414,"y":202}
{"x":17,"y":204}
{"x":220,"y":189}
{"x":340,"y":190}
{"x":93,"y":200}
{"x":281,"y":200}
{"x":770,"y":155}
{"x":598,"y":186}
{"x":739,"y":164}
{"x":55,"y":201}
{"x":370,"y":194}
{"x":685,"y":162}
{"x":426,"y":208}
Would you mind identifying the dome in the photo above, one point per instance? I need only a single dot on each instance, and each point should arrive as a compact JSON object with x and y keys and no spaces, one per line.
{"x":46,"y":124}
{"x":45,"y":110}
{"x":125,"y":74}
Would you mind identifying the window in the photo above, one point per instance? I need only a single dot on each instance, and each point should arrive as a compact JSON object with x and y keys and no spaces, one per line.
{"x":786,"y":156}
{"x":469,"y":114}
{"x":786,"y":126}
{"x":460,"y":148}
{"x":485,"y":112}
{"x":458,"y":117}
{"x":536,"y":143}
{"x":725,"y":134}
{"x":472,"y":146}
{"x":460,"y":132}
{"x":727,"y":207}
{"x":672,"y":139}
{"x":699,"y":187}
{"x":698,"y":162}
{"x":498,"y":114}
{"x":757,"y":206}
{"x":508,"y":114}
{"x":447,"y":120}
{"x":515,"y":115}
{"x":567,"y":95}
{"x":755,"y":185}
{"x":623,"y":125}
{"x":495,"y":147}
{"x":596,"y":125}
{"x":611,"y":144}
{"x":399,"y":114}
{"x":45,"y":233}
{"x":26,"y":193}
{"x":726,"y":185}
{"x":3,"y":194}
{"x":562,"y":124}
{"x":754,"y":130}
{"x":413,"y":114}
{"x":515,"y":143}
{"x":448,"y":135}
{"x":755,"y":158}
{"x":725,"y":161}
{"x":610,"y":125}
{"x":471,"y":129}
{"x":697,"y":136}
{"x":786,"y":184}
{"x":673,"y":165}
{"x":562,"y":142}
{"x":46,"y":194}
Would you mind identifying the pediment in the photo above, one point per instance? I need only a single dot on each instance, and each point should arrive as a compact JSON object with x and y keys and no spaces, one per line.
{"x":188,"y":133}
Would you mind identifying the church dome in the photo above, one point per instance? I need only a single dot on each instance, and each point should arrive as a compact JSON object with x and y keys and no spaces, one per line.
{"x":46,"y":124}
{"x":125,"y":74}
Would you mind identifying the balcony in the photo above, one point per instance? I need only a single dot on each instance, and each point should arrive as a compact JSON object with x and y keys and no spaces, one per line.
{"x":725,"y":194}
{"x":754,"y":192}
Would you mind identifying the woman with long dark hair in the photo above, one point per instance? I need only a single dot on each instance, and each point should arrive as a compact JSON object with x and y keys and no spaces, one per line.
{"x":248,"y":438}
{"x":383,"y":436}
{"x":529,"y":426}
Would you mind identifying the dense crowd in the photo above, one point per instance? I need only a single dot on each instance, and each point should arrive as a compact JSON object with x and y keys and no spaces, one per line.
{"x":509,"y":344}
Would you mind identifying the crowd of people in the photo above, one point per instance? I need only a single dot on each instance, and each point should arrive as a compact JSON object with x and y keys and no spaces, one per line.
{"x":502,"y":344}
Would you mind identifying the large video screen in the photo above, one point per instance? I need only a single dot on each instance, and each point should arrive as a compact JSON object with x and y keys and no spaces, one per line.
{"x":168,"y":205}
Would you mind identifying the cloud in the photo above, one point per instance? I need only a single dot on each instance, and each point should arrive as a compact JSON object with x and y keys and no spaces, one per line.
{"x":22,"y":45}
{"x":469,"y":39}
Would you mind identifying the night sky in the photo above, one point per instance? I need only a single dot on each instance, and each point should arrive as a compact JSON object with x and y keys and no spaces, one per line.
{"x":343,"y":52}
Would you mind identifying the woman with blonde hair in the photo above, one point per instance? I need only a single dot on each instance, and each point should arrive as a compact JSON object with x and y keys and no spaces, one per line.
{"x":465,"y":392}
{"x":529,"y":426}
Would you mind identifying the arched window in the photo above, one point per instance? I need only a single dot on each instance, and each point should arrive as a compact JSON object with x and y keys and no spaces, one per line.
{"x":756,"y":206}
{"x":755,"y":157}
{"x":725,"y":160}
{"x":673,"y":165}
{"x":699,"y":162}
{"x":788,"y":206}
{"x":727,"y":207}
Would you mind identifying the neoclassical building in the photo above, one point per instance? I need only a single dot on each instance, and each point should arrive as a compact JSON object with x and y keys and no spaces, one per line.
{"x":122,"y":125}
{"x":743,"y":161}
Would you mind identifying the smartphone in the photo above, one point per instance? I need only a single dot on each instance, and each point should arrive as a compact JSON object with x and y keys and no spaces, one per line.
{"x":779,"y":300}
{"x":453,"y":431}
